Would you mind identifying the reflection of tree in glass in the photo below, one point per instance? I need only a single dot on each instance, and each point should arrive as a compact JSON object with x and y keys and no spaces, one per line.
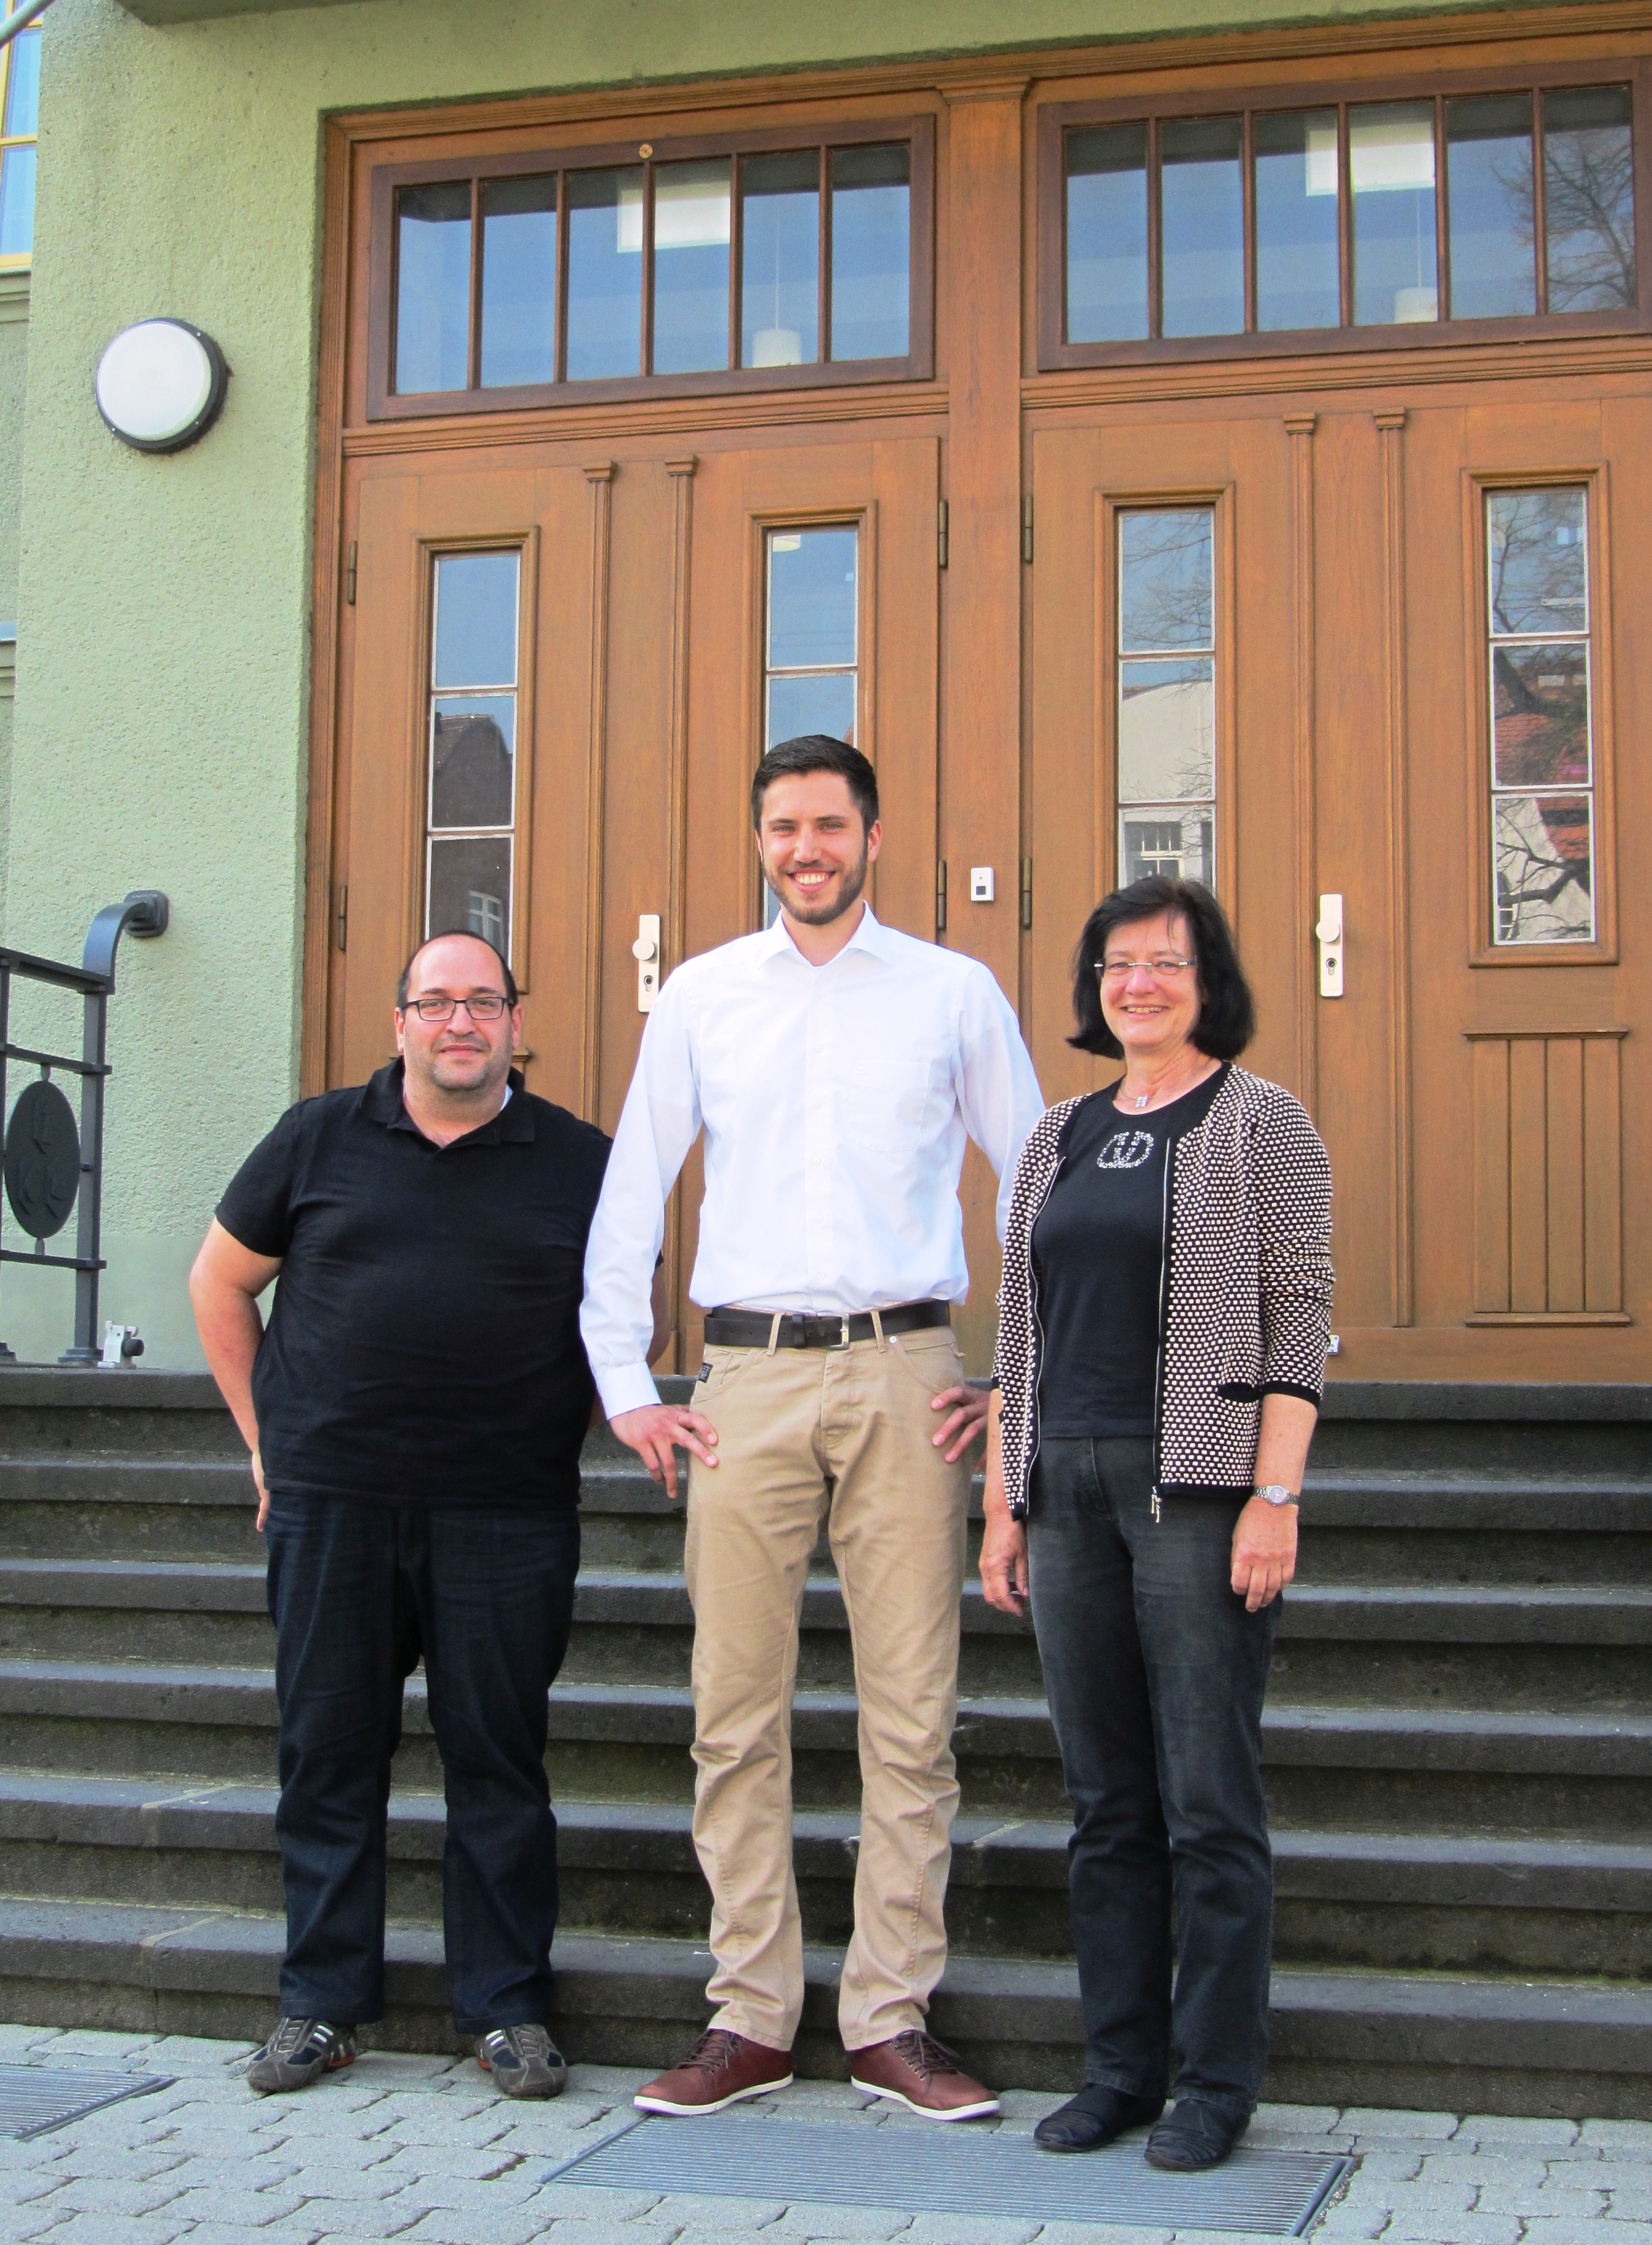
{"x":1539,"y":562}
{"x":1543,"y":852}
{"x":1165,"y":579}
{"x":1588,"y":187}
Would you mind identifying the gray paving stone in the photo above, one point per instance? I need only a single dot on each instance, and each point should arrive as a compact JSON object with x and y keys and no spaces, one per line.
{"x":453,"y":2195}
{"x":19,"y":2223}
{"x":463,"y":2162}
{"x":560,"y":2201}
{"x":91,"y":2194}
{"x":719,"y":2234}
{"x":173,"y":2054}
{"x":1383,"y":2125}
{"x":1301,"y":2119}
{"x":1412,"y":2198}
{"x":1352,"y":2221}
{"x":1409,"y":2228}
{"x":351,"y":2217}
{"x":28,"y":2185}
{"x":511,"y":2225}
{"x":1622,"y":2139}
{"x":1473,"y":2167}
{"x":1631,"y":2204}
{"x":802,"y":2219}
{"x":1543,"y":2232}
{"x":599,"y":2232}
{"x":422,"y":2121}
{"x":239,"y":2210}
{"x":1502,"y":2128}
{"x":1100,"y":2233}
{"x":223,"y":2233}
{"x":323,"y":2180}
{"x":969,"y":2229}
{"x":116,"y":2230}
{"x":93,"y":2042}
{"x":1392,"y":2163}
{"x":700,"y":2209}
{"x":19,"y":2041}
{"x":103,"y":2162}
{"x":23,"y":2159}
{"x":1519,"y":2198}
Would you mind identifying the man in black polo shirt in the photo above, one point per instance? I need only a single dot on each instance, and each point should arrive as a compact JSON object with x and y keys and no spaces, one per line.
{"x":414,"y":1412}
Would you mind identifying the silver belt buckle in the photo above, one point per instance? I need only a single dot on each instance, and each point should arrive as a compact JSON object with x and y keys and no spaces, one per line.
{"x":843,"y":1336}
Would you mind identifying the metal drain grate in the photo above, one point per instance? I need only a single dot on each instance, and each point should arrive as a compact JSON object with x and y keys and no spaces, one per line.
{"x":34,"y":2099}
{"x":956,"y":2170}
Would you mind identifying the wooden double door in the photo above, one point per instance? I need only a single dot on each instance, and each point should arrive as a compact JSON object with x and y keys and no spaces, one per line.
{"x":1374,"y":669}
{"x":557,"y":673}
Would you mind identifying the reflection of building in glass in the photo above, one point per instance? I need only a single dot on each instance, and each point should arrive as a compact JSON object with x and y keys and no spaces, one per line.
{"x":1167,"y":688}
{"x":1541,"y":761}
{"x":485,"y":916}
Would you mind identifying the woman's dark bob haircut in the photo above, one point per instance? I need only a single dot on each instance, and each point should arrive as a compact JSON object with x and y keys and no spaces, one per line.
{"x":1227,"y":1012}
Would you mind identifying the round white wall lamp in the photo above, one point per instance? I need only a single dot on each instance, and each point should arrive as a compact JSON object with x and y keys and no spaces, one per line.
{"x":160,"y":386}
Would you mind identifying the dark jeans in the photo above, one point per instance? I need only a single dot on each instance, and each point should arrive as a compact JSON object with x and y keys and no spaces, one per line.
{"x":1155,"y":1675}
{"x":357,"y":1592}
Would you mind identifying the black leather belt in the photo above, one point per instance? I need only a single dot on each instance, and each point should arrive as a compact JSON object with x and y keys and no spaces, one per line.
{"x":751,"y":1328}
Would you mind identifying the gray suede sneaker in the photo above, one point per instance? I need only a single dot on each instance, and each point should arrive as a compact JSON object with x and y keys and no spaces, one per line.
{"x":524,"y":2062}
{"x":296,"y":2052}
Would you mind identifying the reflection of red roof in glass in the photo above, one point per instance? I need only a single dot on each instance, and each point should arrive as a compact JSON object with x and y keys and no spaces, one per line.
{"x":1536,"y":748}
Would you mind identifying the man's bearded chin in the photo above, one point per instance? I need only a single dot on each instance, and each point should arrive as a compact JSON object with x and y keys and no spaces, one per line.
{"x":828,"y":909}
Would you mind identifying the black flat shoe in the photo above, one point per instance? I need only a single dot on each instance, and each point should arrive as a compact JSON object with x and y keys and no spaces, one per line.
{"x":1197,"y":2135}
{"x":1095,"y":2117}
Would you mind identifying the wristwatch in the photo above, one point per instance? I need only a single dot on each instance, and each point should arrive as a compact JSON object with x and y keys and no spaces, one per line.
{"x":1277,"y":1493}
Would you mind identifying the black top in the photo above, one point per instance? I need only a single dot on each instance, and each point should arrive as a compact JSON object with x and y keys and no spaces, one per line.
{"x":1098,"y":1258}
{"x":425,"y":1342}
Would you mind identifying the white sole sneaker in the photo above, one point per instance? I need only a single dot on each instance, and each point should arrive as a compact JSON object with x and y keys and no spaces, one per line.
{"x":984,"y":2110}
{"x":697,"y":2112}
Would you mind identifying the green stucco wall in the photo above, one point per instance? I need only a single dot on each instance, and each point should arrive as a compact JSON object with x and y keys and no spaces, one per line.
{"x":159,"y":733}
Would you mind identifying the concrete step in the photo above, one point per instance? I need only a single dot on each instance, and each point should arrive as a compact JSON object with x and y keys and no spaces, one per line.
{"x":1547,"y":1646}
{"x":1347,"y":1898}
{"x":1495,"y":1769}
{"x":1550,"y":2046}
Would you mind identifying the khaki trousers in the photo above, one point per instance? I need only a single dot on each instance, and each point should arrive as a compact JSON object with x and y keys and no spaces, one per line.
{"x":842,"y":1435}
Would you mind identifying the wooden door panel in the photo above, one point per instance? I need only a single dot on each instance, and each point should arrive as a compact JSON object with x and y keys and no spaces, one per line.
{"x":404,"y":522}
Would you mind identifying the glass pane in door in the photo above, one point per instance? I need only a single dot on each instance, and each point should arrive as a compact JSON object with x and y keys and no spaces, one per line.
{"x":812,"y":667}
{"x":470,"y":750}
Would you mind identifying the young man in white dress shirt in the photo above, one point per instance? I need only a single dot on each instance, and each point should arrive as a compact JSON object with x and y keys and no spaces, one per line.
{"x":836,"y":1067}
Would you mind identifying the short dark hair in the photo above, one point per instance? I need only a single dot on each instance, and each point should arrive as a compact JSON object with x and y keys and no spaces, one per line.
{"x":470,"y":936}
{"x":1227,"y":1012}
{"x":811,"y":752}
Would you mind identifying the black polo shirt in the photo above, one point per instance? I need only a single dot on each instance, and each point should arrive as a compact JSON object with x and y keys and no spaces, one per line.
{"x":425,"y":1342}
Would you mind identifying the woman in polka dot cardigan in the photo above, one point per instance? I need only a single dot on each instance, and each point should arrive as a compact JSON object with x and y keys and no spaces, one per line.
{"x":1164,"y":1323}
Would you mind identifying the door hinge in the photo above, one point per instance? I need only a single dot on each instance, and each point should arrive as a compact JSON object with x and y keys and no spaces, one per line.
{"x":1026,"y":527}
{"x":940,"y":896}
{"x":940,"y":534}
{"x":1027,"y":893}
{"x":342,"y":914}
{"x":349,"y":577}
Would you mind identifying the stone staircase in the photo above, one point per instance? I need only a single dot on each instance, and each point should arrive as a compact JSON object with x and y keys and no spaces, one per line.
{"x":1459,"y":1750}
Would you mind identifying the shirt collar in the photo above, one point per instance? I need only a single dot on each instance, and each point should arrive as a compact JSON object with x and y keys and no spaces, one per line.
{"x":382,"y":1101}
{"x":870,"y":936}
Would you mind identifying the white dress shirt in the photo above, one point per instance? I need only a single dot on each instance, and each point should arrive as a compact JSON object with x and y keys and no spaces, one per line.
{"x":835,"y":1101}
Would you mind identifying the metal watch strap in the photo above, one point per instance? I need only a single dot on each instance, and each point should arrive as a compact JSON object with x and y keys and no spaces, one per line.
{"x":1275,"y":1492}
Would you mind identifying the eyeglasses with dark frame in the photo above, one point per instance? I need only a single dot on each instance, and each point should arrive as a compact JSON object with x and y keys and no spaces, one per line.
{"x":484,"y":1006}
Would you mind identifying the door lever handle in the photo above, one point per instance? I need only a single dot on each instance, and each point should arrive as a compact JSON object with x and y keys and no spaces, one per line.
{"x":646,"y":952}
{"x":1329,"y":932}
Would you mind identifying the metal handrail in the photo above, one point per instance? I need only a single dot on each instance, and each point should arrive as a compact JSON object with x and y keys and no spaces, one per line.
{"x":20,"y":19}
{"x":144,"y":912}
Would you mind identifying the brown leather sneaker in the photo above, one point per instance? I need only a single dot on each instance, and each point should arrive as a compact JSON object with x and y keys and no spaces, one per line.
{"x":921,"y":2074}
{"x":719,"y":2070}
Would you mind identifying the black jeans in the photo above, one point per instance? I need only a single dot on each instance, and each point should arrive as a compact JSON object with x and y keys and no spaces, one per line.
{"x":356,"y":1593}
{"x":1155,"y":1675}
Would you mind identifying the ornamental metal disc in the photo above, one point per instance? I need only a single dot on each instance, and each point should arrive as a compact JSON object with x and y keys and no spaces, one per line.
{"x":42,"y":1160}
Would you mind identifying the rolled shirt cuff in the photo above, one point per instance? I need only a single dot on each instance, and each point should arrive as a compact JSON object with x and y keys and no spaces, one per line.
{"x":625,"y":1387}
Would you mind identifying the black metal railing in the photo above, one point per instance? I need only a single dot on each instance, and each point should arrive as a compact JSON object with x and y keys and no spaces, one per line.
{"x":53,"y":1168}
